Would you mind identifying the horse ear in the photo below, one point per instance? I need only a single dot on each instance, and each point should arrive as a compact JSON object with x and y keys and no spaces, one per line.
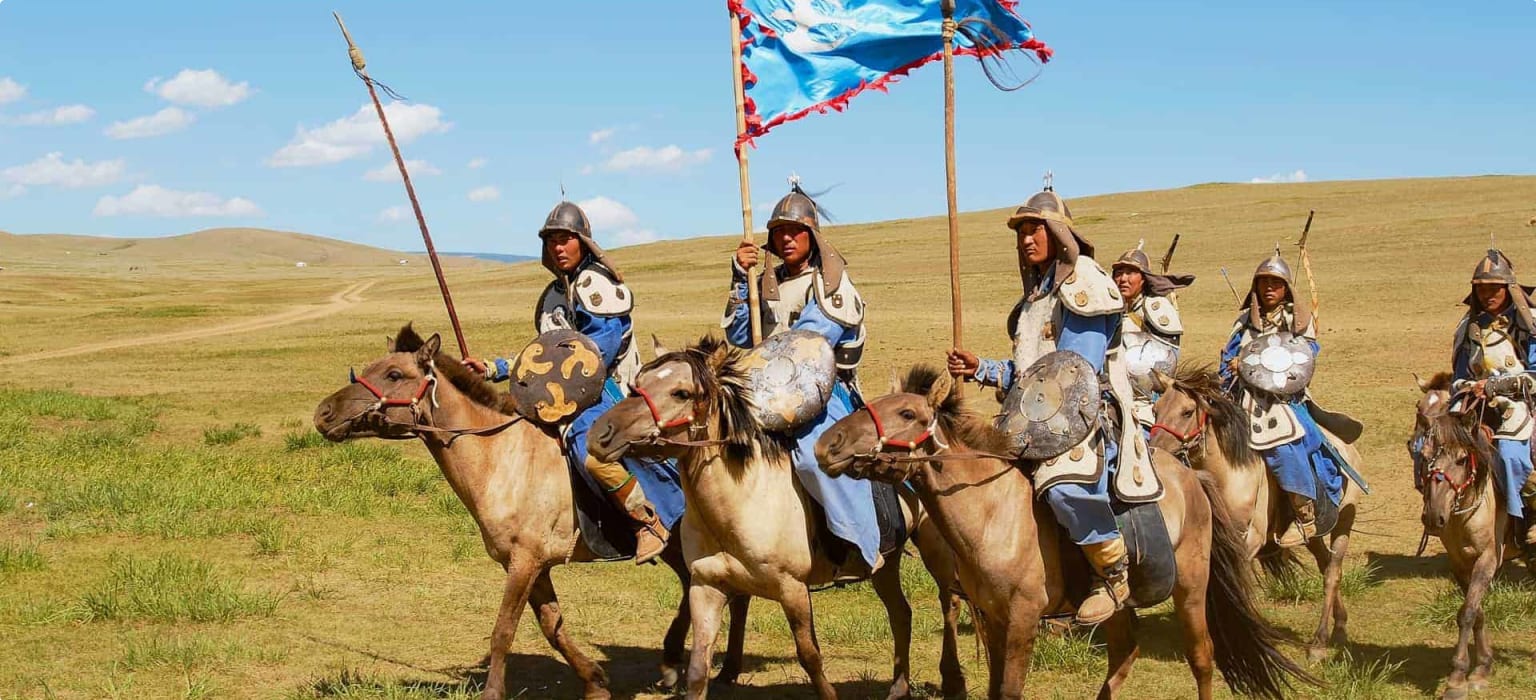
{"x":1160,"y":382}
{"x":940,"y":391}
{"x":657,"y":346}
{"x":1423,"y":385}
{"x":429,"y":349}
{"x":895,"y":382}
{"x":389,"y":343}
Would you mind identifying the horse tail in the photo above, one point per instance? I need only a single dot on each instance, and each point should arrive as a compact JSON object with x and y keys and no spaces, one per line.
{"x":1277,"y":561}
{"x":1247,"y":646}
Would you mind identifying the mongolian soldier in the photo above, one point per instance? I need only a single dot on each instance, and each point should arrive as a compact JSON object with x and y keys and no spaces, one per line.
{"x":1284,"y":430}
{"x":811,"y":291}
{"x":1151,"y":328}
{"x":1495,"y":352}
{"x":1071,"y":304}
{"x":588,"y":295}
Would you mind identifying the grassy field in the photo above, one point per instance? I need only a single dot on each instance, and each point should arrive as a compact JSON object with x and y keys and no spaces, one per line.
{"x":171,"y":526}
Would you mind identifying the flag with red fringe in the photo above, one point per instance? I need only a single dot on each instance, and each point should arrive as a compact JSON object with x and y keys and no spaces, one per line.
{"x":813,"y":56}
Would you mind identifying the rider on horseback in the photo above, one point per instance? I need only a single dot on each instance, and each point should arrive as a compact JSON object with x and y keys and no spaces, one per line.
{"x":588,"y":295}
{"x":1150,"y":310}
{"x":1283,"y":428}
{"x":811,"y":291}
{"x":1071,"y":304}
{"x":1495,"y":353}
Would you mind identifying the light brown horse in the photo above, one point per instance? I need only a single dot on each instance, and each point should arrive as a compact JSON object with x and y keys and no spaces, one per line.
{"x":1194,"y":413}
{"x":1010,"y":556}
{"x":1453,"y":458}
{"x":511,"y":475}
{"x":749,"y":528}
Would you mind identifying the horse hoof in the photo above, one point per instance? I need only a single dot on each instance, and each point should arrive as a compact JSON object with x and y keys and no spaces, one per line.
{"x":1477,"y":685}
{"x":900,"y":690}
{"x":1454,"y":694}
{"x":727,"y":678}
{"x":1317,"y":655}
{"x":668,"y":680}
{"x":954,"y":692}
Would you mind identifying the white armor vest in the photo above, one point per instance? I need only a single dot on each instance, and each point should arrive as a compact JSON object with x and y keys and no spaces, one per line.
{"x":1272,"y":422}
{"x":1088,"y":291}
{"x":600,"y":295}
{"x":843,"y":305}
{"x":1492,"y":352}
{"x":1157,"y":317}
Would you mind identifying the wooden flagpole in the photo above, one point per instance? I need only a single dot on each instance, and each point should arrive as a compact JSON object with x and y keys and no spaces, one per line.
{"x":360,"y":67}
{"x":754,"y":310}
{"x":948,"y":8}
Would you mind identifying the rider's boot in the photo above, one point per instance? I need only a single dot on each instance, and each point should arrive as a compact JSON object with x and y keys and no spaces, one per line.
{"x":1304,"y":522}
{"x":650,"y":535}
{"x":1112,"y":586}
{"x":1528,"y":494}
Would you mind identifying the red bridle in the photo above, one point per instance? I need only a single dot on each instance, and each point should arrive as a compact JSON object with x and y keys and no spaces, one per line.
{"x":385,"y":401}
{"x":656,"y":412}
{"x":928,"y":433}
{"x":1185,"y":440}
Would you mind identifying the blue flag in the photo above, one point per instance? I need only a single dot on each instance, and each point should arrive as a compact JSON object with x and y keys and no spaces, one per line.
{"x":804,"y":56}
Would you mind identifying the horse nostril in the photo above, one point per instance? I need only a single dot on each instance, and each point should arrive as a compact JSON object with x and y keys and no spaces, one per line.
{"x":324,"y":412}
{"x":605,"y":434}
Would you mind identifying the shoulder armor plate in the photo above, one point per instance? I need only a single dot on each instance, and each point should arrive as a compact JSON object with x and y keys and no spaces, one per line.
{"x":1162,"y":316}
{"x":1089,"y":290}
{"x":843,"y":304}
{"x":602,"y":295}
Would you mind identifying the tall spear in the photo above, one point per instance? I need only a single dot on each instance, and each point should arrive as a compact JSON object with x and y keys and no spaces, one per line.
{"x":754,"y":311}
{"x":360,"y":67}
{"x":1306,"y":263}
{"x":948,"y":9}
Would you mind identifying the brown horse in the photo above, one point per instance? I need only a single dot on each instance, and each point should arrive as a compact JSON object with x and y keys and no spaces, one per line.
{"x":1194,"y":412}
{"x":1010,"y":555}
{"x":511,"y":475}
{"x":750,"y":528}
{"x":1453,"y":458}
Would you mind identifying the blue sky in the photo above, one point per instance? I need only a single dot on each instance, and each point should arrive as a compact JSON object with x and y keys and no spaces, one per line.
{"x":628,"y":103}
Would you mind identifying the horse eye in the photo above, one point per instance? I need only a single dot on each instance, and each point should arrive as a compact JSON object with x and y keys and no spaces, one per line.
{"x":908,"y":414}
{"x":395,"y":375}
{"x":1188,"y":412}
{"x":681,"y":394}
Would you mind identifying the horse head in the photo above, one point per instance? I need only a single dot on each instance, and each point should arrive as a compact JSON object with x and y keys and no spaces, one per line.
{"x":1452,"y":455}
{"x":903,"y":423}
{"x":389,"y":398}
{"x":1192,"y":409}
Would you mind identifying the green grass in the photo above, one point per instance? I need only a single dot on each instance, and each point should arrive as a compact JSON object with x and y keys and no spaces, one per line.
{"x":303,"y":440}
{"x":172,"y":589}
{"x":353,"y":684}
{"x":273,"y":537}
{"x":1509,"y":606}
{"x":16,"y":558}
{"x":1073,"y":652}
{"x":231,"y":434}
{"x":1346,"y":678}
{"x":187,"y":653}
{"x":1305,"y":585}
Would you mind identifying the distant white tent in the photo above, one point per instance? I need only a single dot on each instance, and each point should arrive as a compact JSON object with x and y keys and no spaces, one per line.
{"x":301,"y":263}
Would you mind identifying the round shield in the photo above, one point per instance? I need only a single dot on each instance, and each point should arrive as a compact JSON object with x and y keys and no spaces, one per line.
{"x":791,"y":375}
{"x":1145,"y":354}
{"x":557,"y":376}
{"x":1053,"y":406}
{"x":1277,"y":363}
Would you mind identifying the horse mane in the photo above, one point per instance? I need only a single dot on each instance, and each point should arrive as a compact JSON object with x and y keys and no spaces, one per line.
{"x":959,"y":422}
{"x":1439,"y":381}
{"x":1228,"y":420}
{"x":467,"y":382}
{"x":717,"y":369}
{"x":1467,"y":433}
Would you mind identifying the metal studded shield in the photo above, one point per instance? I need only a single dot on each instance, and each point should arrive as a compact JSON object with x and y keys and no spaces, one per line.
{"x":791,"y":375}
{"x":557,"y":376}
{"x":1053,"y":406}
{"x":1277,"y":363}
{"x":1145,"y":354}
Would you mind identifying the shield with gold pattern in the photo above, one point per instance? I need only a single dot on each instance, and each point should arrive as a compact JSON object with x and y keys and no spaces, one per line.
{"x":557,"y":376}
{"x":791,"y":375}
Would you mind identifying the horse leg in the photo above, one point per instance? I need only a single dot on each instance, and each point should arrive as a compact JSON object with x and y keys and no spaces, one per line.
{"x":1189,"y":598}
{"x":677,"y":632}
{"x":887,"y":583}
{"x":705,"y":604}
{"x":1476,"y":587}
{"x":1331,"y":565}
{"x":1012,"y":651}
{"x":796,"y":601}
{"x":1484,"y":668}
{"x":520,"y":578}
{"x":939,"y":560}
{"x":1120,"y":638}
{"x":547,"y":608}
{"x":736,"y":636}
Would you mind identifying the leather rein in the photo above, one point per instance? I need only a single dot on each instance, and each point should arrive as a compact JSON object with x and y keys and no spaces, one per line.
{"x":378,"y":411}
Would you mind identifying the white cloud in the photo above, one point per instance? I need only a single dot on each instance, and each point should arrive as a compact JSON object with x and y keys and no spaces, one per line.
{"x":200,"y":88}
{"x":10,"y":90}
{"x":477,"y":163}
{"x":666,"y":158}
{"x":154,"y":200}
{"x":399,"y":212}
{"x":53,"y":170}
{"x":356,"y":135}
{"x":390,"y":171}
{"x":165,"y":121}
{"x":484,"y":194}
{"x":600,"y":135}
{"x":1297,"y":176}
{"x":612,"y":219}
{"x":58,"y":116}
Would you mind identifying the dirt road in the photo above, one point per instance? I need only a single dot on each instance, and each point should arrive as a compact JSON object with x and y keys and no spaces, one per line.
{"x":338,"y":302}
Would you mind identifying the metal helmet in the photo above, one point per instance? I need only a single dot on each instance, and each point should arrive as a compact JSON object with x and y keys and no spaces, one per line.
{"x":1153,"y":284}
{"x":567,"y":217}
{"x":1135,"y":258}
{"x":1496,"y":268}
{"x":797,"y":207}
{"x":1048,"y":207}
{"x":1275,"y":266}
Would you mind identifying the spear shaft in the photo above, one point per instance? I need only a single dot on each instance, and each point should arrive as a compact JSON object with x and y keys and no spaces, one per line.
{"x":360,"y":67}
{"x":1306,"y":262}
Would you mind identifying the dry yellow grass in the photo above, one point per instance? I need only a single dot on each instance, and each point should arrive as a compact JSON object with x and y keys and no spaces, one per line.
{"x":384,"y":591}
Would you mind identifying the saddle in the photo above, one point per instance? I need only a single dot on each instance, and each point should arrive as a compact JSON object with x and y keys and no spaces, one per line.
{"x":1149,"y":549}
{"x":888,"y":516}
{"x":607,"y":531}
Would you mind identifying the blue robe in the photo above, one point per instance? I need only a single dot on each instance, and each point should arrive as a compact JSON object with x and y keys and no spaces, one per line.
{"x":848,"y":502}
{"x":1515,"y":464}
